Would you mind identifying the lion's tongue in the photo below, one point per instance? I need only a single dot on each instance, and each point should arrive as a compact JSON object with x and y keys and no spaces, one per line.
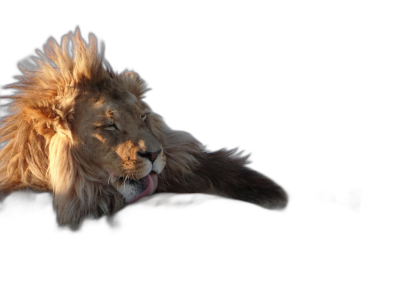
{"x":150,"y":182}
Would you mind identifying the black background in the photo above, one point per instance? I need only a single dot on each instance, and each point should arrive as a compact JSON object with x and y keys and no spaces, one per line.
{"x":293,"y":86}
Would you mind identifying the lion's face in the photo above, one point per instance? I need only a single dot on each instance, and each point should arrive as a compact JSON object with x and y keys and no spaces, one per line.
{"x":114,"y":137}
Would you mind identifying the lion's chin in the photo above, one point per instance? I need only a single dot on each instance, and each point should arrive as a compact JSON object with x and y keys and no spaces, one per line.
{"x":132,"y":190}
{"x":149,"y":184}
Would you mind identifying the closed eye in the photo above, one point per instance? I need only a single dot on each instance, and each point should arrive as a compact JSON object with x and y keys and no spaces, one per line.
{"x":109,"y":127}
{"x":144,"y":115}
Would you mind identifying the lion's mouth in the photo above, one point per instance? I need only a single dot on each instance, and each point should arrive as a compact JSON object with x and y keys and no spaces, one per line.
{"x":132,"y":190}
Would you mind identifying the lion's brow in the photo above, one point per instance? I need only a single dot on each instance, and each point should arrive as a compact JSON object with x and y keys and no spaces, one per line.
{"x":110,"y":113}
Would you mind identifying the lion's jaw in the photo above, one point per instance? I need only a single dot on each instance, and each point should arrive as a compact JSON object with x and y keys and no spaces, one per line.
{"x":133,"y":190}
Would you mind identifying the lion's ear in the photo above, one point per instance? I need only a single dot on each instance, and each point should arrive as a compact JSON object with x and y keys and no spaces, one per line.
{"x":134,"y":83}
{"x":47,"y":121}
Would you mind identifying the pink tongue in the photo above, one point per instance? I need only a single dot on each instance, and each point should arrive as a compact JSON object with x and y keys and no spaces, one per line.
{"x":151,"y":183}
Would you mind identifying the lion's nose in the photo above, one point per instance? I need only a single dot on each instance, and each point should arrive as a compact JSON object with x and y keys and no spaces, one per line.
{"x":152,"y":156}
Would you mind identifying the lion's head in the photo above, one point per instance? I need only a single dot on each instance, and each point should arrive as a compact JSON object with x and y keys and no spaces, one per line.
{"x":116,"y":135}
{"x":82,"y":131}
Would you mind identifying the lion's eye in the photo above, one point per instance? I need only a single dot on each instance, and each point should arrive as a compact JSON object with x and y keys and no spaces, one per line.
{"x":143,"y":117}
{"x":110,"y":127}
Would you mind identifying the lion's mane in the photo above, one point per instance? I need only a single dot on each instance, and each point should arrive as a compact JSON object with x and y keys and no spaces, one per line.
{"x":40,"y":152}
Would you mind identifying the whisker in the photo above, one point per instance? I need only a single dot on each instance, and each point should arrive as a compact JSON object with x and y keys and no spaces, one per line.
{"x":126,"y":178}
{"x":112,"y":173}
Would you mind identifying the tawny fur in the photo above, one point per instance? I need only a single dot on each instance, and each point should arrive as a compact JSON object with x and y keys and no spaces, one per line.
{"x":44,"y":150}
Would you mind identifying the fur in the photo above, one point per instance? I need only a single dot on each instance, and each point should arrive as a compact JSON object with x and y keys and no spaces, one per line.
{"x":49,"y":143}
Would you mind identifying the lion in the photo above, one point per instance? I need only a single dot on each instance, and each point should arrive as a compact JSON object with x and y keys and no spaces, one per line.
{"x":82,"y":131}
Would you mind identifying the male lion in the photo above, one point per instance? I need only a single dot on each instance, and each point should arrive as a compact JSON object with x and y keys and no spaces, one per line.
{"x":82,"y":131}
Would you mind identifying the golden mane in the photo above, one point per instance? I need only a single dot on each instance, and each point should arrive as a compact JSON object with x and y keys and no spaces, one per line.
{"x":41,"y":148}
